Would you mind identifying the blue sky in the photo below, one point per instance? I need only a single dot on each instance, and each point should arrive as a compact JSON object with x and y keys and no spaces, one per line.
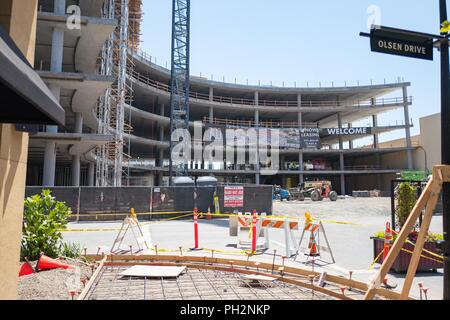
{"x":301,"y":41}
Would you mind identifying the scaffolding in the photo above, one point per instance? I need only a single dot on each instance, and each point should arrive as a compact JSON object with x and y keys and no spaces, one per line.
{"x":112,"y":160}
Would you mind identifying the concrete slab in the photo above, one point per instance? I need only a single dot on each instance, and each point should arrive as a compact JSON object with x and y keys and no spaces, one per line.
{"x":351,"y":243}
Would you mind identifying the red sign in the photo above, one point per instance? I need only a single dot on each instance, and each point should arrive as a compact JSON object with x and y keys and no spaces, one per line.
{"x":233,"y":197}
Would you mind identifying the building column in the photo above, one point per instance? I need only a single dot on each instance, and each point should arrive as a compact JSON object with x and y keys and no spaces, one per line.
{"x":301,"y":177}
{"x":76,"y":163}
{"x":257,"y":167}
{"x":91,"y":174}
{"x":49,"y":164}
{"x":407,"y":128}
{"x":57,"y":52}
{"x":60,"y":7}
{"x":50,"y":148}
{"x":161,"y":151}
{"x":342,"y":165}
{"x":211,"y":109}
{"x":350,"y":141}
{"x":379,"y":180}
{"x":341,"y":140}
{"x":76,"y":159}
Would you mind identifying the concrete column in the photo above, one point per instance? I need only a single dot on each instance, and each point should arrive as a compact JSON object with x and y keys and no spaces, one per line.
{"x":76,"y":159}
{"x":407,"y":128}
{"x":341,"y":141}
{"x":301,"y":177}
{"x":343,"y":191}
{"x":78,"y":123}
{"x":91,"y":174}
{"x":60,"y":7}
{"x":379,"y":180}
{"x":342,"y":165}
{"x":49,"y":164}
{"x":50,"y":148}
{"x":57,"y":50}
{"x":161,"y":138}
{"x":211,"y":115}
{"x":350,"y":142}
{"x":376,"y":139}
{"x":76,"y":164}
{"x":257,"y":177}
{"x":211,"y":109}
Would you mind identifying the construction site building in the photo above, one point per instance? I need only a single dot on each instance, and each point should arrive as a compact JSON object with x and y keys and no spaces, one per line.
{"x":117,"y":101}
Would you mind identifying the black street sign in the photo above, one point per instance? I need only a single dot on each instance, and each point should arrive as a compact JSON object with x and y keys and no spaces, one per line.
{"x":401,"y":43}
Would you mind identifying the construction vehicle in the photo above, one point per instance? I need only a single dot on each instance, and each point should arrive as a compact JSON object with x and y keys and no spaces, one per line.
{"x":316,"y":190}
{"x":281,"y":194}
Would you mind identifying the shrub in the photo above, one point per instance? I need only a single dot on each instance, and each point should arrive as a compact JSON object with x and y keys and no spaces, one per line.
{"x":406,"y":197}
{"x":71,"y":250}
{"x":43,"y":218}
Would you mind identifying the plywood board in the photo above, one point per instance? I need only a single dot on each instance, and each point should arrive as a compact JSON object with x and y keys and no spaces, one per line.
{"x":153,"y":272}
{"x":255,"y":277}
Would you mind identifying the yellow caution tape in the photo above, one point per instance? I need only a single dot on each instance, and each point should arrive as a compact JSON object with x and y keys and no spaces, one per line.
{"x":375,"y":261}
{"x":422,"y":256}
{"x":81,"y":215}
{"x":405,"y":250}
{"x":423,"y":249}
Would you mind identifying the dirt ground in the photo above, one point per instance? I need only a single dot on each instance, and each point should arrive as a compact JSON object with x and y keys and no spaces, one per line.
{"x":349,"y":208}
{"x":54,"y":284}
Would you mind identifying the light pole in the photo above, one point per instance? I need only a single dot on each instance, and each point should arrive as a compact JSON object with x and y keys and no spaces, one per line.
{"x":445,"y":147}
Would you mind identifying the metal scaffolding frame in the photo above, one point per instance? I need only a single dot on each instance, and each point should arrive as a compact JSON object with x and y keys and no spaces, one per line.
{"x":115,"y":61}
{"x":180,"y":81}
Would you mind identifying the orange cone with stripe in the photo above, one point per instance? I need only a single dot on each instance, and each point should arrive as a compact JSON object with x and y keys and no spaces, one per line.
{"x":46,"y":263}
{"x":313,"y":252}
{"x":26,"y":269}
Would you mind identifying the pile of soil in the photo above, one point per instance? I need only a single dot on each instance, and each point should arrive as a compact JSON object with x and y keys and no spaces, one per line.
{"x":55,"y":284}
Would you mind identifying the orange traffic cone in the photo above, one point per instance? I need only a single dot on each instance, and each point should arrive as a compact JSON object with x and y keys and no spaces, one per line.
{"x":208,"y":216}
{"x":26,"y":269}
{"x":312,"y":246}
{"x":46,"y":263}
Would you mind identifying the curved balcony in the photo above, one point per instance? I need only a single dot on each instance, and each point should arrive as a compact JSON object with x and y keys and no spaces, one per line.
{"x":227,"y":103}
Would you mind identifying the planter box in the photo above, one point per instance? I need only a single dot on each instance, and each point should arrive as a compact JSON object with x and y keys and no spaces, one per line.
{"x":401,"y":264}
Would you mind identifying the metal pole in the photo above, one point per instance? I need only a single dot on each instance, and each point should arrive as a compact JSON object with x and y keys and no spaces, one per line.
{"x":445,"y":147}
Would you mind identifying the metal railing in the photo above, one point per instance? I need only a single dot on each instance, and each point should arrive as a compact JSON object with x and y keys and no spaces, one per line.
{"x":152,"y":60}
{"x":272,"y":103}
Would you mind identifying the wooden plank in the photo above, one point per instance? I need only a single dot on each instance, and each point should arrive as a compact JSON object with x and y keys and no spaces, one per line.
{"x":400,"y":241}
{"x":171,"y":260}
{"x":445,"y":170}
{"x":431,"y":205}
{"x":88,"y":286}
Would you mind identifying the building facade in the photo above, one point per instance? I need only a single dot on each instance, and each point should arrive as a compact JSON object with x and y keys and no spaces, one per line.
{"x":26,"y":102}
{"x":132,"y":147}
{"x":331,"y":156}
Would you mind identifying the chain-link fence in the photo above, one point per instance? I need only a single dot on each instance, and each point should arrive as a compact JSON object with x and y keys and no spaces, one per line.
{"x":151,"y":203}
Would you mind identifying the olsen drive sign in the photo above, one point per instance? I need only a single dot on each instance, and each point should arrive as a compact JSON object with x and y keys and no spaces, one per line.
{"x":391,"y":41}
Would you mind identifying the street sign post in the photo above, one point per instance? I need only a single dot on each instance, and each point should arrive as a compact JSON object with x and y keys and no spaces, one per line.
{"x":419,"y":45}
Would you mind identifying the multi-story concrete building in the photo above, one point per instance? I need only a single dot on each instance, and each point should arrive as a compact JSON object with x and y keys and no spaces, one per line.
{"x":289,"y":109}
{"x":68,"y":61}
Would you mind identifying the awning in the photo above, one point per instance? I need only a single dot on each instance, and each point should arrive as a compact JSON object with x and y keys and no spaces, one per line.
{"x":24,"y":97}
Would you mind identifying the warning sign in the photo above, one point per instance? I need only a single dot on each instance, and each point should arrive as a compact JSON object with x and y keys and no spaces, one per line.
{"x":233,"y":197}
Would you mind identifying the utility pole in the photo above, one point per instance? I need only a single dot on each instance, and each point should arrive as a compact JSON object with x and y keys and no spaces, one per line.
{"x":445,"y":146}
